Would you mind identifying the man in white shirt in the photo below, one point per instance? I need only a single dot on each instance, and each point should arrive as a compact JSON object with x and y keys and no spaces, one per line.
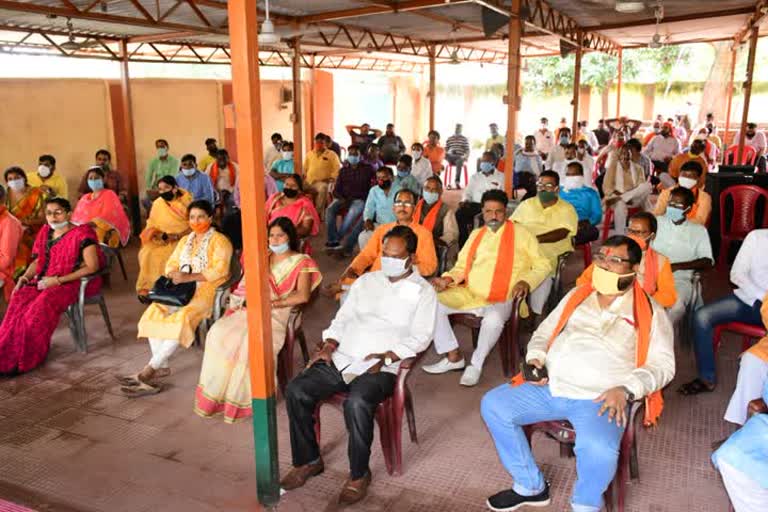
{"x":421,"y":169}
{"x":756,"y":139}
{"x":272,"y":153}
{"x":750,"y":274}
{"x":545,"y":141}
{"x":388,"y":316}
{"x":489,"y":178}
{"x":557,"y":154}
{"x":662,"y":148}
{"x":625,"y":186}
{"x":605,"y":345}
{"x":570,"y":156}
{"x":686,"y":244}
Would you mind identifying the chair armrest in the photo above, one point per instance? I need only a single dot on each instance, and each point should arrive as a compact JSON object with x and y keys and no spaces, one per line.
{"x":757,"y":406}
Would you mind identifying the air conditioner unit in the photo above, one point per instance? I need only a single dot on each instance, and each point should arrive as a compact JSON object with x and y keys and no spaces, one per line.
{"x":286,"y":95}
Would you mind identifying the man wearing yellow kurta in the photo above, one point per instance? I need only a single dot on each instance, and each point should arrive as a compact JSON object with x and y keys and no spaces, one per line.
{"x":203,"y":257}
{"x":753,"y":372}
{"x":499,"y":262}
{"x":46,"y":178}
{"x":554,"y":223}
{"x":321,"y":167}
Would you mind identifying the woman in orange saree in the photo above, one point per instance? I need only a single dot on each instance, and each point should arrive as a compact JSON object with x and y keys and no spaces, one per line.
{"x":26,"y":204}
{"x":102,"y":209}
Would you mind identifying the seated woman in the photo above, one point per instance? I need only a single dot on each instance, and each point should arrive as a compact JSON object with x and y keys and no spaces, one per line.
{"x":166,"y":224}
{"x":224,"y":386}
{"x":102,"y":210}
{"x":298,"y":207}
{"x":61,"y":255}
{"x":283,"y":167}
{"x":202,"y":257}
{"x":28,"y":205}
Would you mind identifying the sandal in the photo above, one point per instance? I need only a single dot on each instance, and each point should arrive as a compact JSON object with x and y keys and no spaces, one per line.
{"x":144,"y":299}
{"x":133,"y":380}
{"x":695,"y":387}
{"x":354,"y":492}
{"x":142,"y":389}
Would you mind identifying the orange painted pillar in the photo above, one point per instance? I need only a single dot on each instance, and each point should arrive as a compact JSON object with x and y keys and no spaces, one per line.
{"x":576,"y":89}
{"x":513,"y":93}
{"x":620,"y":66}
{"x":243,"y":28}
{"x":747,"y":91}
{"x":734,"y":54}
{"x":128,"y":144}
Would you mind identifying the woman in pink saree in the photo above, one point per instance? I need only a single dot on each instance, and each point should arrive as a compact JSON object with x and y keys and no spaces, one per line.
{"x":297,"y":207}
{"x":61,"y":255}
{"x":102,"y":209}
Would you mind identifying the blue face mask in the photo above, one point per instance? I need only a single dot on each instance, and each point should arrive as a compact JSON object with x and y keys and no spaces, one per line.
{"x":403,"y":174}
{"x":353,"y":159}
{"x":279,"y":249}
{"x":188,"y":172}
{"x":96,"y":185}
{"x":486,"y":167}
{"x":675,"y":214}
{"x":431,"y":197}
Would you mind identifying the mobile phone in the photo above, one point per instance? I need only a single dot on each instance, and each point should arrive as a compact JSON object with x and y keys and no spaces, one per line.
{"x":533,"y":374}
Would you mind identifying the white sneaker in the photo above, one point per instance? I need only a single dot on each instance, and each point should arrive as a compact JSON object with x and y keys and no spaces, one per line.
{"x":471,"y":376}
{"x":443,"y":366}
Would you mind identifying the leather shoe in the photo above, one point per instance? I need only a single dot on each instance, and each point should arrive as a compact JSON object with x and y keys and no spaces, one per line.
{"x":355,"y":490}
{"x":298,"y":476}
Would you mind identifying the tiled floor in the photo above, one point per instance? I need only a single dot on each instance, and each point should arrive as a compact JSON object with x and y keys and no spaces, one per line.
{"x":70,"y":442}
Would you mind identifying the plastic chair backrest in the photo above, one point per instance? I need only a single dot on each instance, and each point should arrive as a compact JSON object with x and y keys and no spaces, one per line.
{"x":747,"y":157}
{"x":742,"y":218}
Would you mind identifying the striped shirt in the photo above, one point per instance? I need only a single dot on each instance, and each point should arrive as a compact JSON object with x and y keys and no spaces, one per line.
{"x":457,"y":144}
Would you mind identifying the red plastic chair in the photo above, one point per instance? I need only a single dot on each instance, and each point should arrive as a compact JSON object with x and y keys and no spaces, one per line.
{"x":507,"y":338}
{"x":608,"y":220}
{"x":748,"y":332}
{"x":741,"y":221}
{"x":449,"y":173}
{"x":285,"y":362}
{"x":563,"y":432}
{"x":586,"y":250}
{"x":389,"y":416}
{"x":748,"y":157}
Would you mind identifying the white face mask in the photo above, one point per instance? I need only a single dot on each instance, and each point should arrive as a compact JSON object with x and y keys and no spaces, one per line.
{"x":686,"y":182}
{"x":393,"y":267}
{"x":188,"y":172}
{"x":287,"y":155}
{"x":572,"y":182}
{"x":43,"y":171}
{"x":279,"y":249}
{"x":416,"y":154}
{"x":58,"y":225}
{"x":17,"y":184}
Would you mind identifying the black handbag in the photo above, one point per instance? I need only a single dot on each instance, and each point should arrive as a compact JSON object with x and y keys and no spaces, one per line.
{"x":166,"y":292}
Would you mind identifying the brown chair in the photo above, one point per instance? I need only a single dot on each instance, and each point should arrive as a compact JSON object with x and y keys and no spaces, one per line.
{"x":507,"y":339}
{"x":293,"y":334}
{"x":563,"y":432}
{"x":389,"y":416}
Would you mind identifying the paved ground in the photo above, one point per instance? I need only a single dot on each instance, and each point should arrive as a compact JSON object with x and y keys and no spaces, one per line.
{"x":70,"y":442}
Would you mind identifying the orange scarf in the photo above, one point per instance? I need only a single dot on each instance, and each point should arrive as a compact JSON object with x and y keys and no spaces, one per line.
{"x":692,"y":213}
{"x":651,"y":271}
{"x":215,"y":173}
{"x":502,"y":275}
{"x":643,"y":313}
{"x":429,"y":220}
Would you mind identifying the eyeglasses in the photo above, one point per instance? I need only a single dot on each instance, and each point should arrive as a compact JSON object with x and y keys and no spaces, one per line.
{"x":403,"y":204}
{"x":637,"y":232}
{"x":546,"y":186}
{"x":678,"y":205}
{"x":603,"y":258}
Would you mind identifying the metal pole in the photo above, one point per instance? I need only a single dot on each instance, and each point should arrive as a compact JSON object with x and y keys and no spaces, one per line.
{"x":243,"y":27}
{"x":734,"y":54}
{"x":619,"y":82}
{"x":513,"y":93}
{"x":747,"y":91}
{"x":128,"y":163}
{"x":576,"y":87}
{"x":298,"y":150}
{"x":432,"y":71}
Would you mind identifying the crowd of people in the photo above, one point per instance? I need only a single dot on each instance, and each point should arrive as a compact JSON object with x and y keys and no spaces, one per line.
{"x":417,"y":261}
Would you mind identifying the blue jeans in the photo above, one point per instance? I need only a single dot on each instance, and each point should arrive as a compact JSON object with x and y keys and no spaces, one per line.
{"x":354,"y":212}
{"x":506,"y":409}
{"x":728,"y":309}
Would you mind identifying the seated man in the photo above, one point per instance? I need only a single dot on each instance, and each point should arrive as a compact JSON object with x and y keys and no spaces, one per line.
{"x":432,"y":213}
{"x":404,"y":178}
{"x":585,"y":200}
{"x":163,"y":164}
{"x":685,"y":244}
{"x":224,"y":174}
{"x":378,"y":205}
{"x":597,"y":362}
{"x":489,"y":178}
{"x":388,"y":316}
{"x":554,"y":223}
{"x":321,"y":167}
{"x":743,"y":463}
{"x":194,"y":181}
{"x":46,"y":178}
{"x":625,"y":186}
{"x":690,"y":177}
{"x":499,"y":262}
{"x":694,"y":154}
{"x":753,"y":374}
{"x":750,"y":274}
{"x":655,"y":271}
{"x":369,"y":259}
{"x":570,"y":156}
{"x":350,"y":192}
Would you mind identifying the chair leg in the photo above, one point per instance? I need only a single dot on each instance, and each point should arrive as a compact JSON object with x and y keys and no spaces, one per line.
{"x":410,"y":416}
{"x":396,"y":435}
{"x":82,"y":334}
{"x":105,"y":314}
{"x":122,"y":264}
{"x":607,"y":221}
{"x":384,"y":419}
{"x":302,"y":345}
{"x":74,"y":331}
{"x":504,"y":350}
{"x":722,"y":258}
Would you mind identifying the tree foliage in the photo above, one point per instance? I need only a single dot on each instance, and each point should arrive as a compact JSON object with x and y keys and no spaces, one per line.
{"x":598,"y":70}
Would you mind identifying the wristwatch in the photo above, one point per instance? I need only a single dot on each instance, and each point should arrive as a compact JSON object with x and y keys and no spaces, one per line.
{"x":630,"y":396}
{"x":388,"y":361}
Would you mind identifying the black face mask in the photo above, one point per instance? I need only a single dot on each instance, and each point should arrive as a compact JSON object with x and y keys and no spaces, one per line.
{"x":385,"y":184}
{"x":168,"y":196}
{"x":290,"y":193}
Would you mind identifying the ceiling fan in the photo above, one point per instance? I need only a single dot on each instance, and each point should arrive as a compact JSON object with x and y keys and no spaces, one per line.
{"x":656,"y":40}
{"x":73,"y":45}
{"x":272,"y":38}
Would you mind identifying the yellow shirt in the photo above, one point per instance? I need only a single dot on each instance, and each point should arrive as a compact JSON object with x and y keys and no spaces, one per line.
{"x":539,"y":220}
{"x":498,"y":139}
{"x":529,"y":265}
{"x":703,"y":206}
{"x":205,"y":161}
{"x":55,"y":182}
{"x":321,"y":167}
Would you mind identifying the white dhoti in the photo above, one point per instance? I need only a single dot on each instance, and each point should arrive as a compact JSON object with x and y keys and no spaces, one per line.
{"x":637,"y":197}
{"x":162,"y":350}
{"x":364,"y":236}
{"x":753,"y":372}
{"x":539,"y":296}
{"x":684,"y":289}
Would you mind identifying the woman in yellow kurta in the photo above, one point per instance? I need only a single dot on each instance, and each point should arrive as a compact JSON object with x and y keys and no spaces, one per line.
{"x":208,"y":253}
{"x":166,"y":224}
{"x":28,"y":205}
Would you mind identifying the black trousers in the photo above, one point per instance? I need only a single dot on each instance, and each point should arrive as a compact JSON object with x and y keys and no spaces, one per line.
{"x":321,"y":381}
{"x":465,"y":218}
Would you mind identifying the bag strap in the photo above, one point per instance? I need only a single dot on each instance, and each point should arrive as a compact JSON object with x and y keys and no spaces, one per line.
{"x":188,"y":266}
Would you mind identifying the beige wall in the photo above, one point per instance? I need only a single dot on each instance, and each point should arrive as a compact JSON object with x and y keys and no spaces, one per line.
{"x":70,"y":119}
